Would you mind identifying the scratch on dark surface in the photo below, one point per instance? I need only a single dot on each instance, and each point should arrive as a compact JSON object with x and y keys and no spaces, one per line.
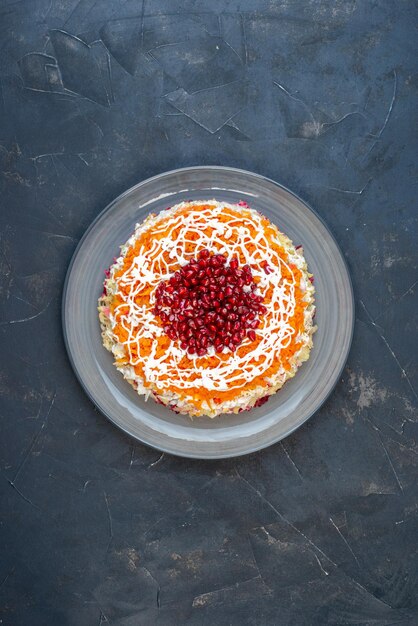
{"x":403,"y":295}
{"x":5,"y":579}
{"x":254,"y":559}
{"x":47,"y":154}
{"x":55,"y":217}
{"x":81,"y":68}
{"x":110,"y":521}
{"x":320,"y":564}
{"x":223,"y":38}
{"x":63,"y":164}
{"x":244,"y":39}
{"x":390,"y":109}
{"x":26,"y":319}
{"x":232,"y":48}
{"x":83,"y":159}
{"x":85,"y":486}
{"x":37,"y":90}
{"x":403,"y":372}
{"x":348,"y":191}
{"x":282,"y":517}
{"x":291,"y":460}
{"x":33,"y":442}
{"x":160,"y":458}
{"x":109,"y":69}
{"x":213,"y":107}
{"x":392,"y":102}
{"x":387,"y":453}
{"x":22,"y":495}
{"x":305,"y":106}
{"x":55,"y":165}
{"x":57,"y":235}
{"x":391,"y":464}
{"x":153,"y":525}
{"x":72,"y":12}
{"x":132,"y":457}
{"x":156,"y":582}
{"x":102,"y":618}
{"x":96,"y":125}
{"x":142,"y":23}
{"x":25,"y":301}
{"x":45,"y":15}
{"x":344,"y":117}
{"x":345,"y":541}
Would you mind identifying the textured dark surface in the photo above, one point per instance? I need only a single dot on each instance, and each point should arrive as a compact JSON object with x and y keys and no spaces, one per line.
{"x":319,"y":529}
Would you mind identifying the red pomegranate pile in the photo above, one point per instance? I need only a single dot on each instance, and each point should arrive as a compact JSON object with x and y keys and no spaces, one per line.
{"x":209,"y":303}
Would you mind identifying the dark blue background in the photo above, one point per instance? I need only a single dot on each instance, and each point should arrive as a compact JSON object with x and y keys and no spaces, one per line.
{"x":98,"y":529}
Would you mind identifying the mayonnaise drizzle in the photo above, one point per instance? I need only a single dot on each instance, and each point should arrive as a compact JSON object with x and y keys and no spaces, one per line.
{"x":150,"y":268}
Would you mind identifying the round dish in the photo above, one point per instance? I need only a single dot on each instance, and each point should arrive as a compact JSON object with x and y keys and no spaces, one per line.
{"x":154,"y":424}
{"x":208,"y":309}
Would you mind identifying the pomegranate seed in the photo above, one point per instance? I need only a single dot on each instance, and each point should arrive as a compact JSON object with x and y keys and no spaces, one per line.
{"x":266,"y":267}
{"x":204,"y":304}
{"x":251,"y":335}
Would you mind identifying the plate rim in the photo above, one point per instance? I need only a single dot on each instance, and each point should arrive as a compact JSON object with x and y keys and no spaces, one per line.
{"x":190,"y":455}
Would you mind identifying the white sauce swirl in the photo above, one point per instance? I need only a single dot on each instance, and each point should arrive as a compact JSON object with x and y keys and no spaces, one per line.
{"x":150,"y":268}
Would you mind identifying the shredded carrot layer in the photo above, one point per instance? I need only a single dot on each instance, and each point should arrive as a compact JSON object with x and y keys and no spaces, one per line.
{"x":146,"y":244}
